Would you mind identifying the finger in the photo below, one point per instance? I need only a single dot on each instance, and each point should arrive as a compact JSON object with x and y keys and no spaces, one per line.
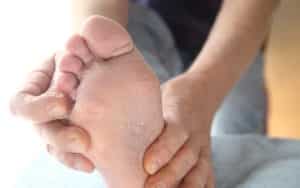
{"x":33,"y":104}
{"x":211,"y":181}
{"x":197,"y":177}
{"x":72,"y":160}
{"x":64,"y":138}
{"x":164,"y":148}
{"x":176,"y":170}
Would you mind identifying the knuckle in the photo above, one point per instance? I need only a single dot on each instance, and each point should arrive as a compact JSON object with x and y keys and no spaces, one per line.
{"x":168,"y":147}
{"x":173,"y":174}
{"x":166,"y":152}
{"x":163,"y":150}
{"x":178,"y":135}
{"x":184,"y":135}
{"x":192,"y":156}
{"x":161,"y":156}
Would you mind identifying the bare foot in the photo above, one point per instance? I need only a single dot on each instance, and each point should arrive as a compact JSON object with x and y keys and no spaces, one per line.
{"x":117,"y":99}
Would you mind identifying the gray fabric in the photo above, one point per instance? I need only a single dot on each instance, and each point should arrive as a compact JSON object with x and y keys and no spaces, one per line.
{"x":241,"y":161}
{"x":244,"y":109}
{"x":254,"y":161}
{"x":154,"y":40}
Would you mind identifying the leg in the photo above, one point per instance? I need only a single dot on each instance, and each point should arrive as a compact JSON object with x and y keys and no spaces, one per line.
{"x":244,"y":109}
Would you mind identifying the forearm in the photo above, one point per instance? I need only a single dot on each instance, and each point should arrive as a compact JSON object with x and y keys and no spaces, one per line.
{"x":114,"y":9}
{"x":238,"y":33}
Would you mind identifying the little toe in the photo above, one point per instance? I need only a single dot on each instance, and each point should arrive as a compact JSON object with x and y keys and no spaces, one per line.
{"x":106,"y":38}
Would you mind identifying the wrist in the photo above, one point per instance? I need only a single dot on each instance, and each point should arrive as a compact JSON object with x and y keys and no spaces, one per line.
{"x":186,"y":96}
{"x":216,"y":76}
{"x":201,"y":85}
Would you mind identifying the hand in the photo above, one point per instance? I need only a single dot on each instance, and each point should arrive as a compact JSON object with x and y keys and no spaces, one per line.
{"x":181,"y":156}
{"x":47,"y":110}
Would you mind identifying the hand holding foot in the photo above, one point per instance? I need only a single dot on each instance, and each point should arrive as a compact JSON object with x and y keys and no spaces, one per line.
{"x":181,"y":156}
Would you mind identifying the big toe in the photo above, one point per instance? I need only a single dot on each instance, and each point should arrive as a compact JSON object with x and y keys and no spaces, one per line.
{"x":106,"y":38}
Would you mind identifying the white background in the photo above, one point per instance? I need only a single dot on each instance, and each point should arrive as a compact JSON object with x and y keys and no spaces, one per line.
{"x":30,"y":30}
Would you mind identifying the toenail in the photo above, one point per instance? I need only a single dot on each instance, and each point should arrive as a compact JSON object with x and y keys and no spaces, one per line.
{"x":75,"y":144}
{"x":57,"y":112}
{"x":77,"y":166}
{"x":56,"y":94}
{"x":80,"y":167}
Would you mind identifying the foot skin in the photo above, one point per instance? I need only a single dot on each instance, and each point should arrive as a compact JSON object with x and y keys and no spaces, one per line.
{"x":117,"y":99}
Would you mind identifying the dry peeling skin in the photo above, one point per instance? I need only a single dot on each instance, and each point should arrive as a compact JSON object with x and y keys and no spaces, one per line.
{"x":119,"y":104}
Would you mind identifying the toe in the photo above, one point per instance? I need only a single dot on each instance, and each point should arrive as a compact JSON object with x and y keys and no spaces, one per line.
{"x":72,"y":160}
{"x":65,"y":82}
{"x":34,"y":102}
{"x":69,"y":63}
{"x":63,"y":137}
{"x":106,"y":38}
{"x":77,"y":46}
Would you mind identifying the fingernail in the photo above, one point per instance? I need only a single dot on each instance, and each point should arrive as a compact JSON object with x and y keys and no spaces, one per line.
{"x":153,"y":167}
